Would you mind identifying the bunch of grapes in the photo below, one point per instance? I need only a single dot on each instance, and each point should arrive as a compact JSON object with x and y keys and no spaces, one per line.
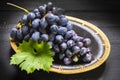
{"x":48,"y":23}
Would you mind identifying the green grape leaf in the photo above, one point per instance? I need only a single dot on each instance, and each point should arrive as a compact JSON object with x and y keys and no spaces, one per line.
{"x":33,"y":56}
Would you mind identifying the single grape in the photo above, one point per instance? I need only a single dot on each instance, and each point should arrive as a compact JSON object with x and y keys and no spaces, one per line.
{"x":58,"y":11}
{"x":32,"y":30}
{"x":31,"y":16}
{"x":49,"y":6}
{"x":70,"y":43}
{"x":79,"y":44}
{"x":63,"y":46}
{"x":57,"y":19}
{"x":19,"y":35}
{"x":38,"y":15}
{"x":51,"y":19}
{"x":69,"y":26}
{"x":87,"y":41}
{"x":25,"y":30}
{"x":88,"y":49}
{"x":42,"y":30}
{"x":81,"y":38}
{"x":59,"y":38}
{"x":83,"y":51}
{"x":70,"y":34}
{"x":54,"y":29}
{"x":43,"y":23}
{"x":52,"y":37}
{"x":35,"y":36}
{"x":61,"y":56}
{"x":45,"y":37}
{"x":62,"y":30}
{"x":67,"y":61}
{"x":88,"y":57}
{"x":27,"y":37}
{"x":68,"y":53}
{"x":63,"y":21}
{"x":36,"y":23}
{"x":36,"y":10}
{"x":56,"y":48}
{"x":42,"y":9}
{"x":75,"y":49}
{"x":13,"y":33}
{"x":75,"y":58}
{"x":25,"y":19}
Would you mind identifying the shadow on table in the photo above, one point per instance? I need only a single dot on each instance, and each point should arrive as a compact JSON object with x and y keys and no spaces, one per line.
{"x":42,"y":75}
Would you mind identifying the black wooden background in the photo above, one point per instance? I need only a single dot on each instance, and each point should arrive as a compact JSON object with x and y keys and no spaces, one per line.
{"x":102,"y":13}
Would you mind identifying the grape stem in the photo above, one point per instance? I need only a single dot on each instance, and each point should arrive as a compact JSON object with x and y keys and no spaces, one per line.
{"x":19,"y":7}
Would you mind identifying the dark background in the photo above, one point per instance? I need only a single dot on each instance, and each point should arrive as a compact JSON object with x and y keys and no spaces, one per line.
{"x":102,"y":13}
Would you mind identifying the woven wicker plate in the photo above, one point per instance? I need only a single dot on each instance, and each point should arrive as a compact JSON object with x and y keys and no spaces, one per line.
{"x":100,"y":48}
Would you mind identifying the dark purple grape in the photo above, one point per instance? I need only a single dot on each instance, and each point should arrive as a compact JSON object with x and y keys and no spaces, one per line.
{"x":87,"y":41}
{"x":56,"y":48}
{"x":63,"y":21}
{"x":36,"y":23}
{"x":75,"y":49}
{"x":25,"y":19}
{"x":88,"y":49}
{"x":63,"y":46}
{"x":13,"y":33}
{"x":62,"y":30}
{"x":58,"y":11}
{"x":54,"y":10}
{"x":57,"y":19}
{"x":52,"y":37}
{"x":69,"y":26}
{"x":36,"y":10}
{"x":81,"y":38}
{"x":83,"y":51}
{"x":44,"y":37}
{"x":32,"y":31}
{"x":54,"y":29}
{"x":35,"y":36}
{"x":51,"y":18}
{"x":67,"y":61}
{"x":69,"y":34}
{"x":25,"y":30}
{"x":61,"y":56}
{"x":31,"y":16}
{"x":88,"y":57}
{"x":76,"y":38}
{"x":27,"y":37}
{"x":79,"y":44}
{"x":38,"y":15}
{"x":68,"y":53}
{"x":61,"y":16}
{"x":43,"y":23}
{"x":49,"y":6}
{"x":59,"y":38}
{"x":70,"y":43}
{"x":42,"y":10}
{"x":19,"y":35}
